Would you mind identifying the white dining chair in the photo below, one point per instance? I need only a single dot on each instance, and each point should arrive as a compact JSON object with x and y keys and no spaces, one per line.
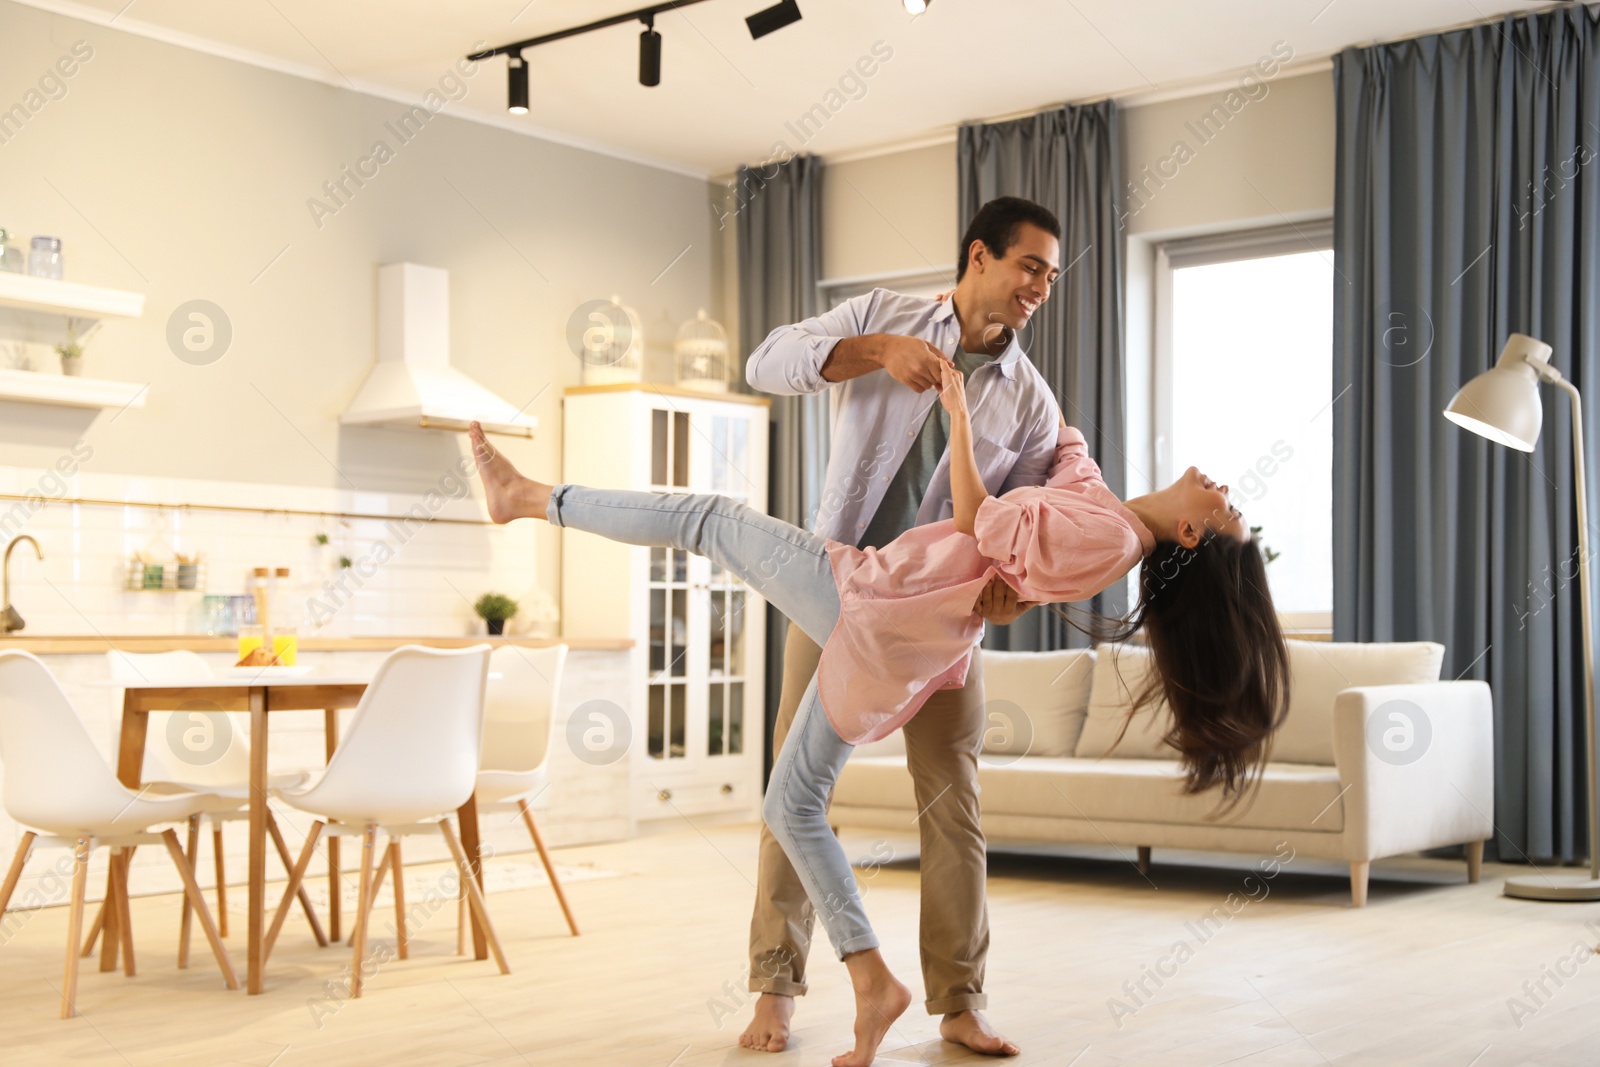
{"x":518,"y":729}
{"x":408,"y":760}
{"x":62,"y":792}
{"x":173,"y":764}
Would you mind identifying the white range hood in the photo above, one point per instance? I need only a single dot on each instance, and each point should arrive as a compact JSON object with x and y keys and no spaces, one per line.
{"x":413,"y":386}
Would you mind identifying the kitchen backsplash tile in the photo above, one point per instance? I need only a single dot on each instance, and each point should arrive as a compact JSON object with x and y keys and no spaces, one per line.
{"x":405,"y":578}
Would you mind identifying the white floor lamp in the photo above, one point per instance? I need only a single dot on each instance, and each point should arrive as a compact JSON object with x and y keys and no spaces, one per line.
{"x":1502,"y":404}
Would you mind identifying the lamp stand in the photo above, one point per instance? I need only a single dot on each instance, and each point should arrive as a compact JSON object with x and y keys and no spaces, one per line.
{"x":1575,"y":887}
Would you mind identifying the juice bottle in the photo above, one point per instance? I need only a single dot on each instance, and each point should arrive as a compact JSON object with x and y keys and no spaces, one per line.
{"x":284,"y":618}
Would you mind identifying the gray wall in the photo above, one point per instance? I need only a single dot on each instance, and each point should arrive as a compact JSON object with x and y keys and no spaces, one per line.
{"x":1271,"y":159}
{"x":897,"y":212}
{"x":890,"y":213}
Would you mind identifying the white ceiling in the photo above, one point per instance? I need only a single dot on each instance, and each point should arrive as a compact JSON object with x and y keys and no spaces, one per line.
{"x":725,"y":99}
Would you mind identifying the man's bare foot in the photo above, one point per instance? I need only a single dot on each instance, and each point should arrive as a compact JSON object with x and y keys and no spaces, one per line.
{"x":880,"y":1000}
{"x":508,"y":494}
{"x":971,"y":1029}
{"x":769,"y":1028}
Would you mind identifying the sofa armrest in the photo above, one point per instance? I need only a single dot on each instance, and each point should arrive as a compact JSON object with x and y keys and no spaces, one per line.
{"x":1416,"y":766}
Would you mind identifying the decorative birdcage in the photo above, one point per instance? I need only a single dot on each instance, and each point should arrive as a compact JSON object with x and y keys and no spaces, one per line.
{"x":612,"y":343}
{"x":702,"y":354}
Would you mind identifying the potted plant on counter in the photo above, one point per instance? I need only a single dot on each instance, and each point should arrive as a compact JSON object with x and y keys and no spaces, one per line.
{"x":495,"y":609}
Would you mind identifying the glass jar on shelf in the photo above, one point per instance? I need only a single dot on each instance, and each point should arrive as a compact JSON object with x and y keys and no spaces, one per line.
{"x":44,"y":258}
{"x":10,"y":255}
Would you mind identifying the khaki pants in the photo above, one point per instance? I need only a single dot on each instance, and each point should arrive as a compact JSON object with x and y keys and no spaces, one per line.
{"x":942,"y":744}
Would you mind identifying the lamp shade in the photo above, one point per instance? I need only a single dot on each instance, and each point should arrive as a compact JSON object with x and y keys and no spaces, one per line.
{"x":1502,"y":403}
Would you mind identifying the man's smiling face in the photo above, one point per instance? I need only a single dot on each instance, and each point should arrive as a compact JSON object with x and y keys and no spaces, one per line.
{"x":1012,"y":287}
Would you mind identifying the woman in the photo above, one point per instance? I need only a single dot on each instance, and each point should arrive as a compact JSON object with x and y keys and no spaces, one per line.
{"x":896,"y":623}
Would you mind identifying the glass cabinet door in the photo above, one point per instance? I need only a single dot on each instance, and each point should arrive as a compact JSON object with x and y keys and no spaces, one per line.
{"x":698,"y":611}
{"x":669,"y":449}
{"x":666,"y":735}
{"x":728,"y":443}
{"x":667,"y":678}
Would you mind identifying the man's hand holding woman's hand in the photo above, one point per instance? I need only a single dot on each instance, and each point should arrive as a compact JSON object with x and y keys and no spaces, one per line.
{"x":998,"y":603}
{"x":911,"y":361}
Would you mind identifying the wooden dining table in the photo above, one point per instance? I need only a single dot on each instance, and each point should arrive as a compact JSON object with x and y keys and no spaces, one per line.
{"x":260,"y":693}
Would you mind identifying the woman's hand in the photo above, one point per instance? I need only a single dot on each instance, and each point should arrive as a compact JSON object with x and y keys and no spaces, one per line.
{"x":953,"y":391}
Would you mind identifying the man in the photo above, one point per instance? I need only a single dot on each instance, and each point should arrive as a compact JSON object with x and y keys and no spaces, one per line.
{"x":889,"y":471}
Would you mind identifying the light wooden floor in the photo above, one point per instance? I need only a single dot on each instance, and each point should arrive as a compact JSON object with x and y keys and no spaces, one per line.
{"x":1421,"y":976}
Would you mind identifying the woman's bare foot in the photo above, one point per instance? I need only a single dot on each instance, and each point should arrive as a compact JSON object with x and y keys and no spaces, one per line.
{"x":769,"y":1028}
{"x":971,"y":1029}
{"x":508,"y":494}
{"x":880,"y":1000}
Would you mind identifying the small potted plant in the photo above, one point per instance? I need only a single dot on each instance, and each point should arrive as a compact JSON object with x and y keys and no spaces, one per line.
{"x":495,"y":609}
{"x":71,"y":353}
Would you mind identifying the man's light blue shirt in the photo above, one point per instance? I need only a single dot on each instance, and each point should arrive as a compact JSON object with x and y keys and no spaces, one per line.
{"x":876,"y":419}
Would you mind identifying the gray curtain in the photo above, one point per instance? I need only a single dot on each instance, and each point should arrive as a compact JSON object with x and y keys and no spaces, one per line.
{"x":1069,"y":161}
{"x":1468,"y":208}
{"x":779,"y":231}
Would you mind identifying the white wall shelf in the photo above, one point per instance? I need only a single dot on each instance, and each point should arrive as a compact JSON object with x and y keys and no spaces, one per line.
{"x":36,"y":310}
{"x":33,"y":387}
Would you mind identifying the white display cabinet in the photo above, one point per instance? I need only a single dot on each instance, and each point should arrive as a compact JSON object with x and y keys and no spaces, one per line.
{"x":700,"y":633}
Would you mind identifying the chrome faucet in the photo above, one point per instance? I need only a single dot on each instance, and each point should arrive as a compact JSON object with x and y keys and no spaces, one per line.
{"x":10,"y":621}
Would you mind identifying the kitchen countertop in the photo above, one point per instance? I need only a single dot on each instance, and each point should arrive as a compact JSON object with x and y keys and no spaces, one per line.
{"x":45,"y":644}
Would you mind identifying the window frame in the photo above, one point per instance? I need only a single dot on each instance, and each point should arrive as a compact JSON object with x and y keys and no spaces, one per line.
{"x":1232,"y":246}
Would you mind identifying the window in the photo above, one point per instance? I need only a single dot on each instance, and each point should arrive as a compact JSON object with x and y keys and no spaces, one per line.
{"x":1243,"y":382}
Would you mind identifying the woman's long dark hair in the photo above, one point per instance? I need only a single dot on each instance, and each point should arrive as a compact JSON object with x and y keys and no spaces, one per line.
{"x":1219,"y":655}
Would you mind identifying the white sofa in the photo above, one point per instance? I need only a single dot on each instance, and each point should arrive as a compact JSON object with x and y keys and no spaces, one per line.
{"x":1376,"y":758}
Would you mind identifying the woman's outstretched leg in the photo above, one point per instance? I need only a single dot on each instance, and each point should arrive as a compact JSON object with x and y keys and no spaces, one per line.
{"x":796,"y":810}
{"x":785,"y":564}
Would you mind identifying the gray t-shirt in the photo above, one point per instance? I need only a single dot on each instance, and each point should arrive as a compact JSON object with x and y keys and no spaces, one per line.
{"x":902,"y":500}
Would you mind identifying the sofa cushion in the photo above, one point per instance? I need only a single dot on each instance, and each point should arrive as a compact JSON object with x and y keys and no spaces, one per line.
{"x":1319,"y":670}
{"x":876,"y":782}
{"x":893,"y":745}
{"x":1120,"y":672}
{"x":1292,"y":796}
{"x":1035,"y":702}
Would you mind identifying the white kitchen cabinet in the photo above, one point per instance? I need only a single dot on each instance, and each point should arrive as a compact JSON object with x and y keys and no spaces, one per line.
{"x":700,"y":633}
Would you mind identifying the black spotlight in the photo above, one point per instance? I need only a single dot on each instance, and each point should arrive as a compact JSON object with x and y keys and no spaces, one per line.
{"x":773,"y":18}
{"x":516,"y":84}
{"x":650,"y":54}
